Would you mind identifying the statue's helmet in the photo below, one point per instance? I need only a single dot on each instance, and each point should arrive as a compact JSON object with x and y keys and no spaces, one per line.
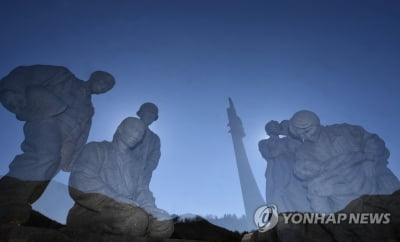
{"x":148,"y":107}
{"x":304,"y":124}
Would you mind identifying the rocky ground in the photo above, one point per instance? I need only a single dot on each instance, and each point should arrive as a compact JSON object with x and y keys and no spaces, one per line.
{"x":345,"y":231}
{"x":43,"y":229}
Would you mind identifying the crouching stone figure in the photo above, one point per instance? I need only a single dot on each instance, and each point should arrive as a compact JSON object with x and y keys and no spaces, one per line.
{"x":57,"y":110}
{"x":106,"y":184}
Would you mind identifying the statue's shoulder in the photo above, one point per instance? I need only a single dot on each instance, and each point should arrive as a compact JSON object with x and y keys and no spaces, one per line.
{"x":345,"y":129}
{"x":151,"y":135}
{"x":35,"y":69}
{"x":35,"y":75}
{"x":97,"y":148}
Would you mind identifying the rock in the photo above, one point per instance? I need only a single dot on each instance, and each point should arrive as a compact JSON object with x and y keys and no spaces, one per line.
{"x":40,"y":228}
{"x":344,"y":231}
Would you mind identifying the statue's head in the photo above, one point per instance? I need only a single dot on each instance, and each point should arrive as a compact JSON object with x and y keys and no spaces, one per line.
{"x":304,"y":125}
{"x":273,"y":128}
{"x":130,"y":132}
{"x":101,"y":82}
{"x":148,"y":113}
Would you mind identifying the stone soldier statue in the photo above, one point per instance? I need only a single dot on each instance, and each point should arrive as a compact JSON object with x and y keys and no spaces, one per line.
{"x":281,"y":184}
{"x":338,"y":163}
{"x":110,"y":185}
{"x":57,"y":110}
{"x":148,"y":151}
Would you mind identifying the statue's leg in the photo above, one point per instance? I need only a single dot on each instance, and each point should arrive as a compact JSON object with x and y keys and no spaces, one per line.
{"x":136,"y":222}
{"x":31,"y":171}
{"x":82,"y":218}
{"x":130,"y":220}
{"x":42,"y":152}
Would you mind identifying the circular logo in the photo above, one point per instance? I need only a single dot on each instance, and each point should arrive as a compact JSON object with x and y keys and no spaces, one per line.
{"x":266,"y":217}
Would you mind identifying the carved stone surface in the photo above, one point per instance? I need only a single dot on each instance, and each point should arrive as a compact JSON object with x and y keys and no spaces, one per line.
{"x":282,"y":185}
{"x":57,"y":110}
{"x":110,"y":185}
{"x":322,"y":168}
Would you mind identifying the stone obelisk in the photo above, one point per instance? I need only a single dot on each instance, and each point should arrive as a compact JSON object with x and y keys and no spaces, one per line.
{"x":252,"y":198}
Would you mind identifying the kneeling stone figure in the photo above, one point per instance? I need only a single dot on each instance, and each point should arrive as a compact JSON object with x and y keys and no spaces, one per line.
{"x":107,"y":187}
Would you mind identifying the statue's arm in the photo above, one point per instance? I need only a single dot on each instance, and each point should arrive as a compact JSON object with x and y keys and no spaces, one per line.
{"x":359,"y":148}
{"x":270,"y":148}
{"x":153,"y":160}
{"x":145,"y":197}
{"x":371,"y":145}
{"x":376,"y":154}
{"x":375,"y":148}
{"x":263,"y":147}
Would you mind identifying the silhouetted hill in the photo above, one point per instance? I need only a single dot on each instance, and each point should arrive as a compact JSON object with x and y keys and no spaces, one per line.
{"x":199,"y":228}
{"x":229,"y":221}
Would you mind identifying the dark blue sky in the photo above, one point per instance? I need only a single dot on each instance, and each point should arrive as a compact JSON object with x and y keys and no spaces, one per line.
{"x":338,"y":58}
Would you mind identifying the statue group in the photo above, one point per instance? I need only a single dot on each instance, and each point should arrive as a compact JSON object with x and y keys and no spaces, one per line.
{"x":310,"y":167}
{"x":316,"y":168}
{"x":109,"y":181}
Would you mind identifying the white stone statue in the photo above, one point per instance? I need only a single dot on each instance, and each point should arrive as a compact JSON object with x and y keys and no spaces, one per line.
{"x":110,"y":185}
{"x":338,"y":163}
{"x":148,"y":151}
{"x":57,"y":110}
{"x":281,"y":184}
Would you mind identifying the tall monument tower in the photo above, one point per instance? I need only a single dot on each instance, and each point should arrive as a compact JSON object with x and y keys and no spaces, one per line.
{"x":252,"y":198}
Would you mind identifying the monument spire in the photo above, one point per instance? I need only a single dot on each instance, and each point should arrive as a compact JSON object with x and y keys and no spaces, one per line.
{"x":252,"y":198}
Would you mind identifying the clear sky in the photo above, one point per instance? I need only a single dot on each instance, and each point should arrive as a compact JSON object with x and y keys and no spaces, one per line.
{"x":337,"y":58}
